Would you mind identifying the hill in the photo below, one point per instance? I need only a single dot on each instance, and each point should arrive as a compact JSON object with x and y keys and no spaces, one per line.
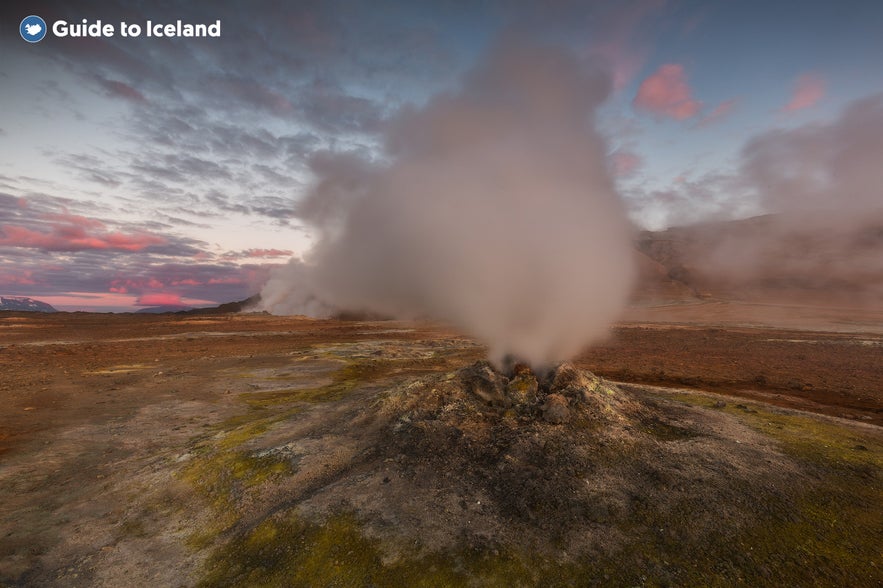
{"x":24,"y":304}
{"x":162,"y":309}
{"x":246,"y":305}
{"x":806,"y":259}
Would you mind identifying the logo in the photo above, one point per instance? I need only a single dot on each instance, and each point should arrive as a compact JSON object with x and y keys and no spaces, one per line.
{"x":32,"y":29}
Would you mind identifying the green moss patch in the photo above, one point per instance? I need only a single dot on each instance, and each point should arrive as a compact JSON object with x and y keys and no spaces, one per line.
{"x":287,"y":551}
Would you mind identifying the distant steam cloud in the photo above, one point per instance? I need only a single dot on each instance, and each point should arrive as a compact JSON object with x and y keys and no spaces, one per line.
{"x":823,"y":185}
{"x":493,"y":210}
{"x":835,"y":168}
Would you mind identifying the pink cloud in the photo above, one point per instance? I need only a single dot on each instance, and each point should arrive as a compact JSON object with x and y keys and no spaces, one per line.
{"x":137,"y":284}
{"x":720,"y":111}
{"x":808,"y":90}
{"x":666,"y":93}
{"x":624,"y":163}
{"x":159,"y":299}
{"x":86,"y":300}
{"x":620,"y":41}
{"x":23,"y":278}
{"x":75,"y":233}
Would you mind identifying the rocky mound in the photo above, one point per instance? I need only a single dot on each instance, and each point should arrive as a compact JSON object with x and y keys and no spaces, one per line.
{"x":401,"y":472}
{"x":530,"y":463}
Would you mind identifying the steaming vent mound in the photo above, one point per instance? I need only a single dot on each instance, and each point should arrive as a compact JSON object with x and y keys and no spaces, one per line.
{"x":561,"y":466}
{"x":429,"y":472}
{"x":527,"y":441}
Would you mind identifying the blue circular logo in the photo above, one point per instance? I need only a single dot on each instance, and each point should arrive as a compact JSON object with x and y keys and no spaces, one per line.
{"x":32,"y":29}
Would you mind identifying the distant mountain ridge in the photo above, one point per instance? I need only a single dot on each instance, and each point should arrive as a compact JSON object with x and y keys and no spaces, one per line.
{"x":24,"y":304}
{"x":764,"y":258}
{"x":228,"y":307}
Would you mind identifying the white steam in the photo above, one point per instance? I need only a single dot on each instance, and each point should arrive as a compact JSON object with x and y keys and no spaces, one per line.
{"x":823,"y":241}
{"x":493,"y":210}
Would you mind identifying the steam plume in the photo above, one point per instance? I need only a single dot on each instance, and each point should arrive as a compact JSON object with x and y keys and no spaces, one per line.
{"x":822,"y":241}
{"x":493,"y":211}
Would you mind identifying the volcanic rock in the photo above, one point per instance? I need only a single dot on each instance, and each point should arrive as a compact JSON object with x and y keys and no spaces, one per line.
{"x":555,"y":409}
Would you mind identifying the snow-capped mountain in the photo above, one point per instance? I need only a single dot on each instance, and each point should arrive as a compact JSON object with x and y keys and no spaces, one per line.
{"x":24,"y":304}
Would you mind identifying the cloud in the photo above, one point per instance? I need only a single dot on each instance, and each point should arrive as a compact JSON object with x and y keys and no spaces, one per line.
{"x":119,"y":89}
{"x":329,"y":108}
{"x":666,"y":93}
{"x":809,"y":89}
{"x":258,"y":253}
{"x":159,"y":299}
{"x":822,"y":239}
{"x":75,"y":236}
{"x":17,"y":277}
{"x":624,"y":163}
{"x":252,"y":93}
{"x":123,"y":279}
{"x":712,"y":196}
{"x":832,"y":167}
{"x":49,"y":250}
{"x":621,"y":37}
{"x":720,"y":112}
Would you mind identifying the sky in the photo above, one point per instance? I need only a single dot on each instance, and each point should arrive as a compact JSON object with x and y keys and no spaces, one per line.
{"x":139,"y":171}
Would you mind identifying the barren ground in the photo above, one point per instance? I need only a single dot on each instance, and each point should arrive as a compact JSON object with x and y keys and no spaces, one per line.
{"x":250,"y":449}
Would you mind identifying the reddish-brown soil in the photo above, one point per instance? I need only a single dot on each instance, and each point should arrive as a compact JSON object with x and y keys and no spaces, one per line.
{"x":829,"y":373}
{"x":54,"y":368}
{"x":153,"y":450}
{"x":59,"y":370}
